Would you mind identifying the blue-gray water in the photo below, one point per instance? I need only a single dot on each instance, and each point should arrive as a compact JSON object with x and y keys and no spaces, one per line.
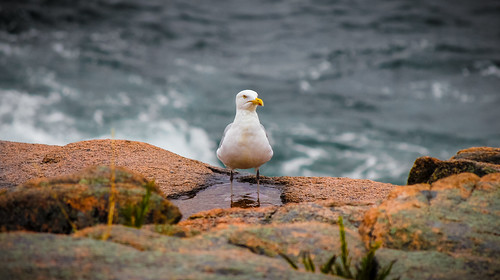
{"x":351,"y":88}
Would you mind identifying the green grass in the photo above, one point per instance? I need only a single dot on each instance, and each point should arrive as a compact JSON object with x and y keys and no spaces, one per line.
{"x":367,"y":269}
{"x":135,"y":215}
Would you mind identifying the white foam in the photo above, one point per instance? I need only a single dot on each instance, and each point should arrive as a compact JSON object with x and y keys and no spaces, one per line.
{"x":491,"y":70}
{"x":60,"y":49}
{"x":28,"y":118}
{"x":299,"y":165}
{"x":174,"y":135}
{"x":375,"y":166}
{"x":371,"y":158}
{"x":440,"y":91}
{"x":304,"y":85}
{"x":201,"y":68}
{"x":360,"y":172}
{"x":23,"y":117}
{"x":9,"y":50}
{"x":98,"y":117}
{"x":294,"y":166}
{"x":48,"y":78}
{"x":407,"y":147}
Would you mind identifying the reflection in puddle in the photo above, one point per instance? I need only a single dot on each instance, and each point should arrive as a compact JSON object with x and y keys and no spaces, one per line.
{"x":219,"y":196}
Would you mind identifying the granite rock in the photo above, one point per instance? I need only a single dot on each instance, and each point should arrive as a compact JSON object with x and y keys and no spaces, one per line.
{"x":457,"y":215}
{"x":479,"y":160}
{"x":74,"y":257}
{"x":67,"y":203}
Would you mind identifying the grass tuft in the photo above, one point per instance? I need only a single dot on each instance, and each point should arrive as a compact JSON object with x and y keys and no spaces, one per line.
{"x":307,"y":261}
{"x":136,"y":214}
{"x":290,"y":261}
{"x":367,"y":269}
{"x":328,"y":267}
{"x":345,"y":269}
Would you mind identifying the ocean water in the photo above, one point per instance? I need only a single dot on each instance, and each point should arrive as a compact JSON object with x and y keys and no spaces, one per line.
{"x":352,"y":88}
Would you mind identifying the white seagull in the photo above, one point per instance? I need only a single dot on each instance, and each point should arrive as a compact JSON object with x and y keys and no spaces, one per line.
{"x":244,"y":143}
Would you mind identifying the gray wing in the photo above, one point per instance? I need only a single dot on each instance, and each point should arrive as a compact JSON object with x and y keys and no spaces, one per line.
{"x":224,"y":134}
{"x":271,"y":149}
{"x":263,"y":128}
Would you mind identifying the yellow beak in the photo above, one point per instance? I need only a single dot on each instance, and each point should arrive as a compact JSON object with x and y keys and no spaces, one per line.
{"x":258,"y":101}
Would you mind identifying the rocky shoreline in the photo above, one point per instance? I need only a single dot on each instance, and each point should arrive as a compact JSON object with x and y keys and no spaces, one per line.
{"x":54,"y":206}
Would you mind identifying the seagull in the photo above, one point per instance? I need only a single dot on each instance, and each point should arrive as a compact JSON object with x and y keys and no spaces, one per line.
{"x":244,"y":143}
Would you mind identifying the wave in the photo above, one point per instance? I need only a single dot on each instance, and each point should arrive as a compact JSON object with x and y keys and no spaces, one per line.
{"x":34,"y":119}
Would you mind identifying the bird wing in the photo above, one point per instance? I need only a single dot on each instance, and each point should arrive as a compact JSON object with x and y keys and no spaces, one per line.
{"x":224,"y":134}
{"x":263,"y":128}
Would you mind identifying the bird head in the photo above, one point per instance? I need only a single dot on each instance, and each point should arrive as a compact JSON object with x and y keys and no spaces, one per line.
{"x":248,"y":100}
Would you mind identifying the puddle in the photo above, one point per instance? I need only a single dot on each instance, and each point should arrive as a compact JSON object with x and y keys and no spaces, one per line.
{"x":219,"y":196}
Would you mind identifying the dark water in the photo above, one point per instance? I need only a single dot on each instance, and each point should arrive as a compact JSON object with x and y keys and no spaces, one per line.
{"x":351,"y":88}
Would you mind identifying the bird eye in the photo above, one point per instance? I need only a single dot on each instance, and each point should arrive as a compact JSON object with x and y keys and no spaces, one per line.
{"x":245,"y":97}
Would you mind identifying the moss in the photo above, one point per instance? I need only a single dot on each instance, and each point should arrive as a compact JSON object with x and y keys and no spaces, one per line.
{"x":174,"y":230}
{"x":63,"y":204}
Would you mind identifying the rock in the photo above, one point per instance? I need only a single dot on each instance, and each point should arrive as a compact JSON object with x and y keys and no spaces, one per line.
{"x":433,"y":265}
{"x":172,"y":173}
{"x":66,"y":203}
{"x":352,"y":212}
{"x":457,"y":216}
{"x":321,"y":211}
{"x":70,"y":257}
{"x":480,"y":161}
{"x":343,"y":190}
{"x":422,"y":170}
{"x":222,"y":218}
{"x":447,"y":229}
{"x":320,"y":239}
{"x":175,"y":175}
{"x":304,"y":212}
{"x":480,"y":154}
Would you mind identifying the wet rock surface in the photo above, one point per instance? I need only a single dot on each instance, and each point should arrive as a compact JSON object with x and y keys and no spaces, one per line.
{"x":245,"y":195}
{"x":447,"y":229}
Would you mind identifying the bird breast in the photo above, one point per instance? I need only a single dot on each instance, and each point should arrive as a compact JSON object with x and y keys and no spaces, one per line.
{"x":245,"y":146}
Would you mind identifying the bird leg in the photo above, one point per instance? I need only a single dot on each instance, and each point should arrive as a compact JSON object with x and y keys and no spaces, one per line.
{"x":231,"y":179}
{"x":258,"y":183}
{"x":257,"y":175}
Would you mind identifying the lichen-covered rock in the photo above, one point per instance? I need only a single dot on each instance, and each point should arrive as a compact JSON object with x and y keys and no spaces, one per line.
{"x":320,"y":239}
{"x":67,"y":203}
{"x":324,"y":211}
{"x":50,"y":256}
{"x":420,"y":265}
{"x":304,"y":212}
{"x":223,"y":218}
{"x":457,"y":215}
{"x":480,"y":154}
{"x":480,"y":161}
{"x":327,"y":211}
